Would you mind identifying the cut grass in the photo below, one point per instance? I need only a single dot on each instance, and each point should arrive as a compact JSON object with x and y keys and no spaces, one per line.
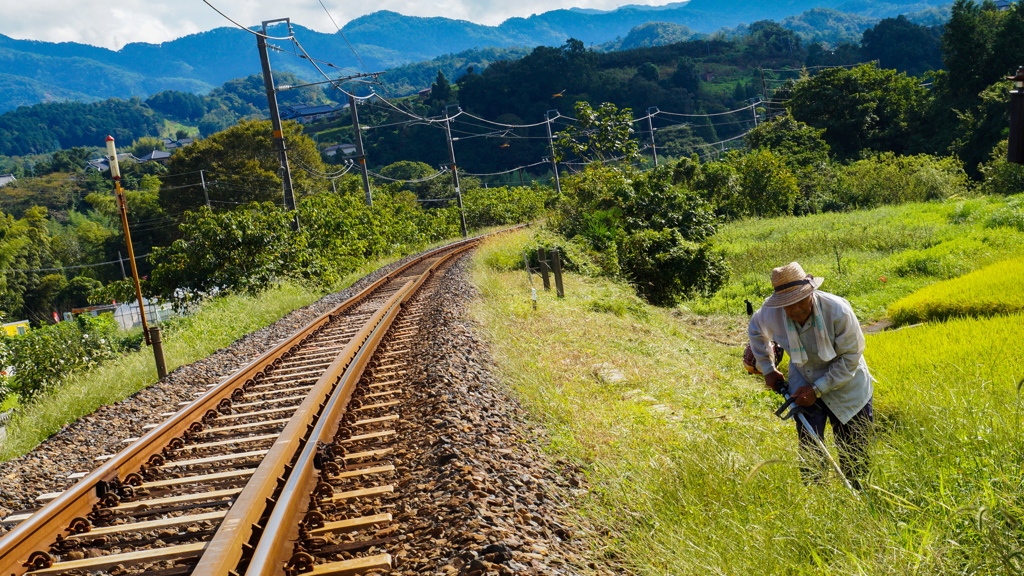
{"x":691,"y":472}
{"x":992,"y":291}
{"x":872,"y":258}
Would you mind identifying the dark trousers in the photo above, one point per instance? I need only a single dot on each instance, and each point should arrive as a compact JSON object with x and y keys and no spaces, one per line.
{"x":851,"y":440}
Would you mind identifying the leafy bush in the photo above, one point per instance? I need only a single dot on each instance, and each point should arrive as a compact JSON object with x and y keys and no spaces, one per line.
{"x":239,"y":250}
{"x":643,"y":227}
{"x":891,"y":179}
{"x":503,"y":206}
{"x":1000,"y":176}
{"x":249,"y":248}
{"x":665,"y":267}
{"x":991,"y":291}
{"x":42,"y":357}
{"x":767,"y":185}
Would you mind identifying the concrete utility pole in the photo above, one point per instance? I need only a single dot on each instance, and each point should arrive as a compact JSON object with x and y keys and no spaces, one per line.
{"x":206,"y":193}
{"x":455,"y":173}
{"x":650,"y":126}
{"x":361,"y":156}
{"x":551,"y":144}
{"x":275,"y":120}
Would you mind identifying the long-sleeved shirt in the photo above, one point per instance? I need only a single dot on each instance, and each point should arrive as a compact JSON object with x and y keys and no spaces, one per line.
{"x":844,"y":382}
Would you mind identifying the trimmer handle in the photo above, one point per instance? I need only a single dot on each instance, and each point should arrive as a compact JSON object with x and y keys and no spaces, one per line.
{"x":783,"y":388}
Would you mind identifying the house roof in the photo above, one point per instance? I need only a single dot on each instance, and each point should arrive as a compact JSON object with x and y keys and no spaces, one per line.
{"x":300,"y":110}
{"x":102,"y":164}
{"x":6,"y":179}
{"x":155,"y":155}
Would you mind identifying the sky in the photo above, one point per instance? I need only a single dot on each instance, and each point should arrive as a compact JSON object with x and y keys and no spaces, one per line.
{"x":114,"y":23}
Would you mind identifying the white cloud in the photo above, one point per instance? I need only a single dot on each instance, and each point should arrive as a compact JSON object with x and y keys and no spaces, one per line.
{"x":155,"y":21}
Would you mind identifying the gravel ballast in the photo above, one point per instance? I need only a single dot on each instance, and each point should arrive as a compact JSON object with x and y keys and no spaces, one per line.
{"x":478,"y":495}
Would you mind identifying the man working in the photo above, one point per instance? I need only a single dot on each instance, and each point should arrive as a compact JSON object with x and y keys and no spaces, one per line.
{"x":827,"y":372}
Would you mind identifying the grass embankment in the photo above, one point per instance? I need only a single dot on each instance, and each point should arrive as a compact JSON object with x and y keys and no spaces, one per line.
{"x":873,"y":257}
{"x":692,"y":472}
{"x":219,"y":322}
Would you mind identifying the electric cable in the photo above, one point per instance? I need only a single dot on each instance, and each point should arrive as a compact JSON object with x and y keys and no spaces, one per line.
{"x":507,"y":171}
{"x":340,"y":31}
{"x":417,"y":181}
{"x":253,"y":32}
{"x":76,"y":267}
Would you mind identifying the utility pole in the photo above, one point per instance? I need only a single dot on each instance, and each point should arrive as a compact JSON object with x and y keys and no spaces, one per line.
{"x":361,"y":158}
{"x":275,"y":120}
{"x":650,"y":126}
{"x":551,"y":144}
{"x":455,"y":173}
{"x":764,"y":88}
{"x":122,"y":208}
{"x":1015,"y":150}
{"x":206,"y":193}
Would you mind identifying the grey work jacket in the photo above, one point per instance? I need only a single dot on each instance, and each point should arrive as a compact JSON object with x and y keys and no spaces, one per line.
{"x":844,"y":382}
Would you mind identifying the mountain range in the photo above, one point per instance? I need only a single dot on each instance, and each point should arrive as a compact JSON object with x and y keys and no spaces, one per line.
{"x":33,"y":71}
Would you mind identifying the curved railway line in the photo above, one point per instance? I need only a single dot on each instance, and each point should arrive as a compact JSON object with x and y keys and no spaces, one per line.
{"x":285,"y":467}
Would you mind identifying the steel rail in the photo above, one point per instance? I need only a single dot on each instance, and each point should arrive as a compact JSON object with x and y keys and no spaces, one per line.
{"x":272,"y":552}
{"x":29,"y":539}
{"x":225,"y":550}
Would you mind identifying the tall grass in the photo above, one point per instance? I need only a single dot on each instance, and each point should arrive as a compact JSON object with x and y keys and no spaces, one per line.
{"x":873,"y":257}
{"x":692,"y":473}
{"x":991,"y":291}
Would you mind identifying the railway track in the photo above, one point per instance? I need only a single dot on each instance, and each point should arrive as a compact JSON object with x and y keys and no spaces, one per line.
{"x":282,"y":468}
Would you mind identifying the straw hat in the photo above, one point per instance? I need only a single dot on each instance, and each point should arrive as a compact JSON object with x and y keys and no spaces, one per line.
{"x":791,"y":285}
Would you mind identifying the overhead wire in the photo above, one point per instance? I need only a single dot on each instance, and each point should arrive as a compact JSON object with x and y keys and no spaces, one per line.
{"x":253,"y":32}
{"x":506,"y":171}
{"x":75,"y":267}
{"x":342,"y":32}
{"x":416,"y":181}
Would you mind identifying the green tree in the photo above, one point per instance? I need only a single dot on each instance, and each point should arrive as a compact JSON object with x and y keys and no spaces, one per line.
{"x":767,"y":185}
{"x":240,"y":165}
{"x":183,"y":106}
{"x":861,"y":108}
{"x":902,"y":45}
{"x":413,"y":177}
{"x":602,"y":135}
{"x":804,"y":151}
{"x":217,"y":120}
{"x":145,"y":145}
{"x":241,"y":250}
{"x":968,"y":43}
{"x":441,"y":92}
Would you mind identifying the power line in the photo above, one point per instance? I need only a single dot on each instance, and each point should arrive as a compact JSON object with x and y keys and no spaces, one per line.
{"x":340,"y":31}
{"x":253,"y":32}
{"x":5,"y":270}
